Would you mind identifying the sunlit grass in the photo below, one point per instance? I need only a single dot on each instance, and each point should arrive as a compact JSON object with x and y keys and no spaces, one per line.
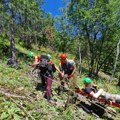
{"x":12,"y":78}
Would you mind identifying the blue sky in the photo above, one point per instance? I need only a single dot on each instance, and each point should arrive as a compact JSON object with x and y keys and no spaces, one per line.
{"x":52,"y":6}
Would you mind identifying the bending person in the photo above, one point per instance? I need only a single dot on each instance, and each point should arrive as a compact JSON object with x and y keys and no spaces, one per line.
{"x":68,"y":72}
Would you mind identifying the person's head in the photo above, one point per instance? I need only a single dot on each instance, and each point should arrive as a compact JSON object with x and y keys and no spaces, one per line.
{"x":63,"y":58}
{"x":87,"y":80}
{"x":49,"y":56}
{"x":30,"y":54}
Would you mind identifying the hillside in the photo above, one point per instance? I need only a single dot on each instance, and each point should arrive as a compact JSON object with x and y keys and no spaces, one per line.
{"x":86,"y":33}
{"x":21,"y":100}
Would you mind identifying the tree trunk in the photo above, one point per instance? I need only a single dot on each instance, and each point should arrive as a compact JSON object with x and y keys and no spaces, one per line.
{"x":12,"y":43}
{"x":119,"y":81}
{"x":116,"y":59}
{"x":80,"y":66}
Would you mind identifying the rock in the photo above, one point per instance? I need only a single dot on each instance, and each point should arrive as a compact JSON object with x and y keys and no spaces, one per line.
{"x":60,"y":103}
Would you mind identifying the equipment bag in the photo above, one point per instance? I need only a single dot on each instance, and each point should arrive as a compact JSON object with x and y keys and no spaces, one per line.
{"x":43,"y":61}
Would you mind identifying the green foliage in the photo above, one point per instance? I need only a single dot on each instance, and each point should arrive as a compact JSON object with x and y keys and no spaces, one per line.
{"x":10,"y":110}
{"x":30,"y":23}
{"x":39,"y":108}
{"x":12,"y":77}
{"x":91,"y":25}
{"x":4,"y":46}
{"x":63,"y":42}
{"x":97,"y":27}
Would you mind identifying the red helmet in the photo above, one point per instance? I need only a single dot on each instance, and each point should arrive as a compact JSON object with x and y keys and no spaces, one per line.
{"x":63,"y":56}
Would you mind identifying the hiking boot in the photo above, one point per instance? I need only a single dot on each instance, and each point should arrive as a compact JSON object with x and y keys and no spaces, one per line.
{"x":48,"y":98}
{"x":50,"y":101}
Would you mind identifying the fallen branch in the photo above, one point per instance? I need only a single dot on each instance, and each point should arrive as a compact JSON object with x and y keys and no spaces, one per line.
{"x":4,"y":92}
{"x":8,"y":95}
{"x":20,"y":106}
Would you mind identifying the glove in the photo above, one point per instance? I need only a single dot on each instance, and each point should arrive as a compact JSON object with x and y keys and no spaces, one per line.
{"x":70,"y":76}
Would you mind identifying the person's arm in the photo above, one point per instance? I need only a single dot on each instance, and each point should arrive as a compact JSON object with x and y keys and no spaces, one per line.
{"x":61,"y":71}
{"x":73,"y":71}
{"x":58,"y":69}
{"x":92,"y":94}
{"x":35,"y":62}
{"x":96,"y":95}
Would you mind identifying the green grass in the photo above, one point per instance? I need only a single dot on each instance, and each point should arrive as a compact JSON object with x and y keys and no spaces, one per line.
{"x":12,"y":78}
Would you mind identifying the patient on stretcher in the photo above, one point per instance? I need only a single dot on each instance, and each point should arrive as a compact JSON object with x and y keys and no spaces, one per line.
{"x":92,"y":91}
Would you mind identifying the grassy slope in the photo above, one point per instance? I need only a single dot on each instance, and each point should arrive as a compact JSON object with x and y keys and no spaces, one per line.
{"x":13,"y":79}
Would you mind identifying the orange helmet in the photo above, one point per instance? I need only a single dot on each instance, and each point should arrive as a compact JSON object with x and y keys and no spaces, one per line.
{"x":63,"y":56}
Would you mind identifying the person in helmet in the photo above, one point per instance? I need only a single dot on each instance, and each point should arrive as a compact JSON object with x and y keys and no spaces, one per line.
{"x":68,"y":70}
{"x":47,"y":76}
{"x":67,"y":66}
{"x":47,"y":68}
{"x":30,"y":54}
{"x":49,"y":56}
{"x":91,"y":89}
{"x":35,"y":57}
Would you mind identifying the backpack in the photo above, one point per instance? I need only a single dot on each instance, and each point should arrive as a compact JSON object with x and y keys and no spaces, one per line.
{"x":43,"y":62}
{"x":45,"y":65}
{"x":51,"y":68}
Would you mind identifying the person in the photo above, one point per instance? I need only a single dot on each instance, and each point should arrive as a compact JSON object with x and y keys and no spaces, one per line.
{"x":35,"y":57}
{"x":47,"y":75}
{"x":47,"y":68}
{"x":68,"y":72}
{"x":34,"y":64}
{"x":91,"y":89}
